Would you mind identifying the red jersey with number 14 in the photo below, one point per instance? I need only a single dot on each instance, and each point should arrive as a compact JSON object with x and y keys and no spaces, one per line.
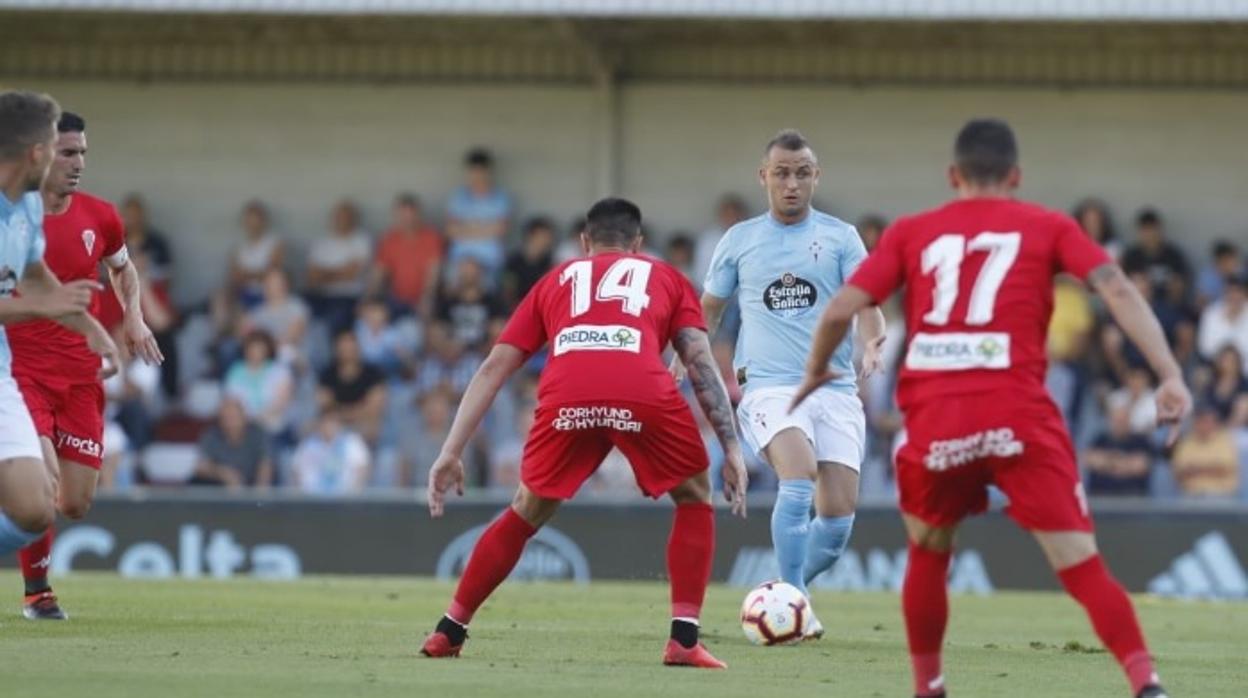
{"x":978,"y":276}
{"x":88,"y":232}
{"x":607,"y":319}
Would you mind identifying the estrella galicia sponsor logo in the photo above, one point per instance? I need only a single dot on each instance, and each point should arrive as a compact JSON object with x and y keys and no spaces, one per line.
{"x":598,"y":338}
{"x":576,"y":418}
{"x":8,"y":282}
{"x":954,"y":351}
{"x":549,"y":554}
{"x":790,"y":295}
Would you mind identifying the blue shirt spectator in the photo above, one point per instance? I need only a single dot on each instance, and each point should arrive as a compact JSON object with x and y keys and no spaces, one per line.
{"x":477,"y":214}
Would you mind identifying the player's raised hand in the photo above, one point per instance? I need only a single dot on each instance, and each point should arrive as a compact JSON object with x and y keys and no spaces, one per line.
{"x":872,"y":358}
{"x":810,"y":384}
{"x":68,"y":298}
{"x":1174,"y":402}
{"x":141,"y":342}
{"x":736,"y":480}
{"x":103,"y":346}
{"x":446,"y":472}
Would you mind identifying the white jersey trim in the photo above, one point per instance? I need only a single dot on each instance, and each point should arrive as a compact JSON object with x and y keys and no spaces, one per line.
{"x":118,"y":259}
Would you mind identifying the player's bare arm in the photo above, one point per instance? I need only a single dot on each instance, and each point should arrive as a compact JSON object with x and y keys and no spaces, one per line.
{"x":871,"y":334}
{"x":1136,"y":318}
{"x":713,"y":312}
{"x":39,"y":283}
{"x":694,"y":349}
{"x":140,"y":341}
{"x":448,"y":471}
{"x":41,"y":299}
{"x":834,"y":324}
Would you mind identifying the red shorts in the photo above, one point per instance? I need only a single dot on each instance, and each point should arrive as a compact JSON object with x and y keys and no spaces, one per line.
{"x":955,"y":448}
{"x":568,"y":442}
{"x":71,"y":415}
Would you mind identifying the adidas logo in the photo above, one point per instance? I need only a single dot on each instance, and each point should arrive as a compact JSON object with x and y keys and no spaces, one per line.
{"x":1209,"y":571}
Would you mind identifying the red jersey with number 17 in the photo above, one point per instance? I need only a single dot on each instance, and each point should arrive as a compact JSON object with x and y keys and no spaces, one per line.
{"x":88,"y":232}
{"x":978,"y":276}
{"x":607,"y":319}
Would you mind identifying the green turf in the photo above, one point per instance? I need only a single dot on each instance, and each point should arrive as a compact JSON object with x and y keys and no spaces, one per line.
{"x":349,"y":637}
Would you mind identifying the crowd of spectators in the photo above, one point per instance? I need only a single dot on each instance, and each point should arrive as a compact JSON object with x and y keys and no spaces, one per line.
{"x":339,"y":370}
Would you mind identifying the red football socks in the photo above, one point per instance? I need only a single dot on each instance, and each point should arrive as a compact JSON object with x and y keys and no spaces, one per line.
{"x":35,"y":559}
{"x":689,"y":551}
{"x":493,"y":558}
{"x":925,"y":604}
{"x":1113,"y":618}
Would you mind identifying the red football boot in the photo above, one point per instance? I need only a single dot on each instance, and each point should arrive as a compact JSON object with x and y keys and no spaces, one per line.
{"x":439,"y":645}
{"x":696,"y":656}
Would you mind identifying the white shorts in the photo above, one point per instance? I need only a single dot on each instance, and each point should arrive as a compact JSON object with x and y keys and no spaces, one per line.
{"x":18,"y":438}
{"x":833,"y":422}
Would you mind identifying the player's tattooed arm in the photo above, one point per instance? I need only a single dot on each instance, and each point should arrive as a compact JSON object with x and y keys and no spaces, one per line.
{"x":694,"y":349}
{"x":1134,"y":315}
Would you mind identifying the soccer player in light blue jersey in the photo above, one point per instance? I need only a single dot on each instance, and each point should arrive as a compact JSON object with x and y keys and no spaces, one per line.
{"x":27,"y":141}
{"x":785,"y":266}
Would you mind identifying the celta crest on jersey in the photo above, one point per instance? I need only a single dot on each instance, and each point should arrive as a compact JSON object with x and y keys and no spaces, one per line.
{"x":790,"y":295}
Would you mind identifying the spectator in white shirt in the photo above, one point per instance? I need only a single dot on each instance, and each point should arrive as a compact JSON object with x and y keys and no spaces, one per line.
{"x":259,"y":252}
{"x":331,"y":460}
{"x":338,"y":267}
{"x":1225,"y":321}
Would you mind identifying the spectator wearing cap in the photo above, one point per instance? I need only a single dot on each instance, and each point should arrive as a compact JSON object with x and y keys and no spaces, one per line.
{"x":1119,"y":461}
{"x":478,"y":213}
{"x":1225,"y":322}
{"x":527,"y":265}
{"x":1167,"y":267}
{"x":409,"y":257}
{"x":1226,"y":263}
{"x":1205,"y":460}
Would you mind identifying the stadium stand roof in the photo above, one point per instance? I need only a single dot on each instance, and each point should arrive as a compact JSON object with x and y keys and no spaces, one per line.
{"x":906,"y":10}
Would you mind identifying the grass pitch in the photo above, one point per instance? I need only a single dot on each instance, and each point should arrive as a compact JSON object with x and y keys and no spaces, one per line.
{"x":358,"y":637}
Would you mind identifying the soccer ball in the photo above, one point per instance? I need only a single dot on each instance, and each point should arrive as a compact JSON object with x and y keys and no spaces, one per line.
{"x":775,"y":613}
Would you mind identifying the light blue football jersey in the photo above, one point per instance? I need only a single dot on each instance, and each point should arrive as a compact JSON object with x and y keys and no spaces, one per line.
{"x":785,"y":275}
{"x":21,"y":243}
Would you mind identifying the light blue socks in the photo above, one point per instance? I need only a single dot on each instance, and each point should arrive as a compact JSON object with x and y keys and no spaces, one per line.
{"x":790,"y":529}
{"x":829,"y":536}
{"x":12,"y":537}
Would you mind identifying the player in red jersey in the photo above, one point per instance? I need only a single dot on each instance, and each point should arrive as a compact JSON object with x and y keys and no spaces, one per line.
{"x":59,"y":375}
{"x":978,"y":276}
{"x":607,"y":318}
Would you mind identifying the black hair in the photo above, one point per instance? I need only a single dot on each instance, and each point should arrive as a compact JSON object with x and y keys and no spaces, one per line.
{"x":270,"y":346}
{"x":26,"y":119}
{"x":407,"y":199}
{"x":537,"y":223}
{"x":613,"y":222}
{"x":680,"y":241}
{"x":1109,"y":232}
{"x":873,"y":221}
{"x":985,"y":151}
{"x":71,"y":123}
{"x":1224,"y":248}
{"x":479,"y":157}
{"x":735,"y":201}
{"x":787,"y":139}
{"x":1148,"y":217}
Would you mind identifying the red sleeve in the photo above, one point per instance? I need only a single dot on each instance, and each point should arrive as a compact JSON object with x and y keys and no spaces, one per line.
{"x":526,"y":329}
{"x":1077,"y":254}
{"x":114,"y":231}
{"x":883,"y":271}
{"x":687,"y":309}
